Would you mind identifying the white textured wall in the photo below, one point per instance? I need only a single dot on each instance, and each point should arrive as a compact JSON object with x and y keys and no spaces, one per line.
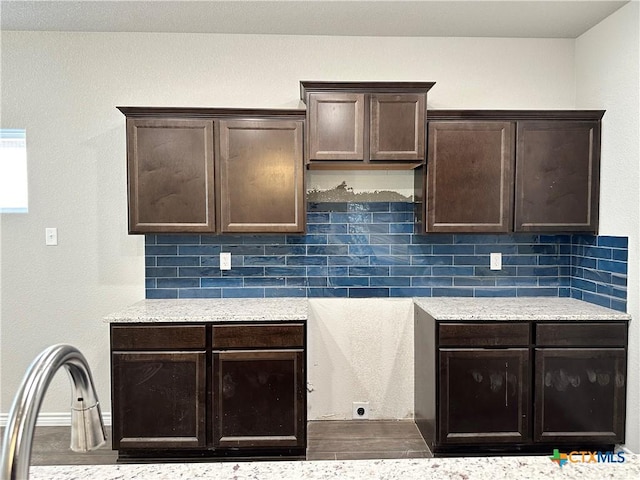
{"x":63,"y":88}
{"x":360,"y":351}
{"x":608,"y":77}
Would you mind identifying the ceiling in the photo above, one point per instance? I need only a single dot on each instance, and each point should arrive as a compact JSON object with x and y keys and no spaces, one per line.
{"x":453,"y":18}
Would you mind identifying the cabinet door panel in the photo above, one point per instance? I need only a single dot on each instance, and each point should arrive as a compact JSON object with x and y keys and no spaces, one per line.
{"x":170,"y":168}
{"x":397,"y":127}
{"x":261,"y":171}
{"x":557,"y":176}
{"x":336,"y":126}
{"x":580,"y":395}
{"x":470,"y":176}
{"x":483,"y":396}
{"x":259,"y":398}
{"x":158,"y":400}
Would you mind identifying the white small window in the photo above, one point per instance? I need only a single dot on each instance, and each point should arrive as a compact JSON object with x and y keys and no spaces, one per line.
{"x":14,"y":195}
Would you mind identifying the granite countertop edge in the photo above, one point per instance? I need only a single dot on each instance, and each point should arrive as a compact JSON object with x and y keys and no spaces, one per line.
{"x":471,"y":468}
{"x":212,"y":310}
{"x":297,"y":309}
{"x":516,"y":309}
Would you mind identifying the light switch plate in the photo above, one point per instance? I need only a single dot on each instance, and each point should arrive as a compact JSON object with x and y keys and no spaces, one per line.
{"x":51,"y":236}
{"x":496,"y":261}
{"x":225,"y":261}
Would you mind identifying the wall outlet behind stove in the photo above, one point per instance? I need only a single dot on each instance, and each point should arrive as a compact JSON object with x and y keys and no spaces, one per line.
{"x":360,"y":410}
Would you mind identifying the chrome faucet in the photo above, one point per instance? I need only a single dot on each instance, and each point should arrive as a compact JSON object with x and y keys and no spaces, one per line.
{"x":87,"y":428}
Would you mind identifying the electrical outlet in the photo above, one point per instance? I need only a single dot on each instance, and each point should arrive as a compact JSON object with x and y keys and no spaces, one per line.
{"x":225,"y":261}
{"x":496,"y":261}
{"x":360,"y":410}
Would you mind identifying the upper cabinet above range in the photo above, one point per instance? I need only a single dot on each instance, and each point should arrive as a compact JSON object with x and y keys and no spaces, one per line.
{"x":365,"y":125}
{"x":204,"y":170}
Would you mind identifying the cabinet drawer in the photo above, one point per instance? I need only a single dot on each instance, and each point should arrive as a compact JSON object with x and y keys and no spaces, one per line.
{"x":258,"y":335}
{"x":591,"y":334}
{"x":483,"y":334}
{"x":158,"y":337}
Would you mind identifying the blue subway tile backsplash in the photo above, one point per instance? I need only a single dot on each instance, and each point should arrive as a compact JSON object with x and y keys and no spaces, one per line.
{"x":369,"y":250}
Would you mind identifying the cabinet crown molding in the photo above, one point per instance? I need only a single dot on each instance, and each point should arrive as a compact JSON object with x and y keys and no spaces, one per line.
{"x":307,"y":86}
{"x":513,"y":115}
{"x":213,"y":112}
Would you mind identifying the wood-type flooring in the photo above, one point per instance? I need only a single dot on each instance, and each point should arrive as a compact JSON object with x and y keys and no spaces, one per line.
{"x":326,"y":440}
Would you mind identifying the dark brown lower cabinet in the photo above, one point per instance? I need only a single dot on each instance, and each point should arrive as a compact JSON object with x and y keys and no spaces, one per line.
{"x":484,"y":395}
{"x":259,"y":402}
{"x":580,"y":394}
{"x":208,"y":390}
{"x":521,"y":386}
{"x":159,"y":400}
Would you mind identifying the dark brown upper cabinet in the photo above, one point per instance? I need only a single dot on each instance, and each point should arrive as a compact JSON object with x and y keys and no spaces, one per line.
{"x":365,"y":125}
{"x":257,"y":156}
{"x":510,"y":171}
{"x":470,"y":176}
{"x":557,"y":176}
{"x":170,"y":172}
{"x":260,"y":172}
{"x":336,"y":126}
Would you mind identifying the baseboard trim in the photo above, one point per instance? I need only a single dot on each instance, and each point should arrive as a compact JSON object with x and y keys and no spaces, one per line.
{"x":53,"y":419}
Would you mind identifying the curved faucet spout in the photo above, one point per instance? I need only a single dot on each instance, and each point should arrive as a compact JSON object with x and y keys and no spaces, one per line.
{"x":87,"y":428}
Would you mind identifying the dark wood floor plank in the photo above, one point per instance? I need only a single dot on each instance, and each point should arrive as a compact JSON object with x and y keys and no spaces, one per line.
{"x":387,"y":454}
{"x":362,"y":439}
{"x":327,"y":440}
{"x":51,"y":446}
{"x":372,"y":444}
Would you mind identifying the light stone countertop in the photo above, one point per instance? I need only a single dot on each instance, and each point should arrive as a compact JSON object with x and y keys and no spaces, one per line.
{"x":212,"y":310}
{"x":461,"y":468}
{"x":523,"y":308}
{"x":287,"y":309}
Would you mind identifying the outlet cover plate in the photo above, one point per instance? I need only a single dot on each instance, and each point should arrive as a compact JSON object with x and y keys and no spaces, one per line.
{"x":225,"y":261}
{"x":360,"y":411}
{"x":496,"y":261}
